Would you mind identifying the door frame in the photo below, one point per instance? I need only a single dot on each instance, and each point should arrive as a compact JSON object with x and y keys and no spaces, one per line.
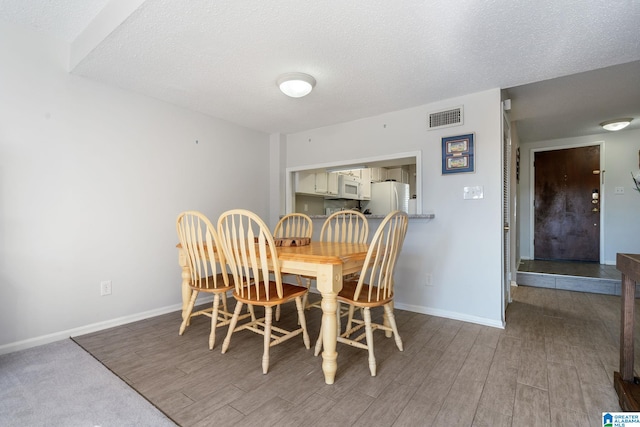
{"x":508,"y":222}
{"x":532,"y":177}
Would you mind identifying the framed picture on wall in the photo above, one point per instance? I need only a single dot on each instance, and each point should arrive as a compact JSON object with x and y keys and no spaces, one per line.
{"x":458,"y":154}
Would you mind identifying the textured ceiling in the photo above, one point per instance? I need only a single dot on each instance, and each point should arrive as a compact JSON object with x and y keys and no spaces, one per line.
{"x":222,"y":58}
{"x":64,"y":19}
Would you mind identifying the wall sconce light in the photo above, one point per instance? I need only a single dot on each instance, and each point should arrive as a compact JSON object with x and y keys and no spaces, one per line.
{"x":296,"y":85}
{"x":616,"y":124}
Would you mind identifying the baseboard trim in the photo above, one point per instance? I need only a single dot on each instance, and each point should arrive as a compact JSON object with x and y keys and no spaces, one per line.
{"x":450,"y":315}
{"x":94,"y":327}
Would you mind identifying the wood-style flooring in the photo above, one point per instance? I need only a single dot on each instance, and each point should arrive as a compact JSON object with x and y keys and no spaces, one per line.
{"x":552,"y":365}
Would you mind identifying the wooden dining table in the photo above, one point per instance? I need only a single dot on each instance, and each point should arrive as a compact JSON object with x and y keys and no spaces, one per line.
{"x":328,"y":262}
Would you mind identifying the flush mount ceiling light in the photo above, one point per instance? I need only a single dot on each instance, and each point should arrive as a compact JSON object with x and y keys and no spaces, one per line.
{"x":616,"y":124}
{"x":296,"y":85}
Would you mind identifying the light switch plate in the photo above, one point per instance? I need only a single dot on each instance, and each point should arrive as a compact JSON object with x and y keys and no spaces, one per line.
{"x":473,"y":193}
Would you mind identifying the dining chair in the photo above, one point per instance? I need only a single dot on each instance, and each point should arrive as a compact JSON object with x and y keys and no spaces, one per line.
{"x":252,"y":259}
{"x":348,"y":226}
{"x":373,"y":288}
{"x":293,"y":225}
{"x":199,"y":243}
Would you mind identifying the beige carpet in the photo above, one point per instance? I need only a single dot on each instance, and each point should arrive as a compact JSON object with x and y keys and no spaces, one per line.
{"x":60,"y":384}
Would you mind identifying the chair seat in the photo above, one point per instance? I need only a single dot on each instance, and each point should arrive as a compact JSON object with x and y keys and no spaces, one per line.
{"x":201,"y":287}
{"x":289,"y":292}
{"x":349,"y":289}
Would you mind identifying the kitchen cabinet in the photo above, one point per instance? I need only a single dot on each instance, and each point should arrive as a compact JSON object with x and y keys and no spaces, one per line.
{"x":321,"y":183}
{"x":305,"y":183}
{"x":317,"y":184}
{"x":325,"y":183}
{"x":378,"y":174}
{"x":332,"y":184}
{"x":398,"y":174}
{"x":365,"y":178}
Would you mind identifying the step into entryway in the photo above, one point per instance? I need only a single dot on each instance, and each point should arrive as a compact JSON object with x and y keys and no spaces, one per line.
{"x":571,"y":276}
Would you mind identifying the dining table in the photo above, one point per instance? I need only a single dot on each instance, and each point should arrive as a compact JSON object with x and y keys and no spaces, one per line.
{"x":328,"y":262}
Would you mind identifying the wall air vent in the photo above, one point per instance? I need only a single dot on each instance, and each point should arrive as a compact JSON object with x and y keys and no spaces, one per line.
{"x":446,"y":118}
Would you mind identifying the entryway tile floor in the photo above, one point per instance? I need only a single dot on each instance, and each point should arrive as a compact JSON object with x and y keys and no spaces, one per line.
{"x":570,"y":268}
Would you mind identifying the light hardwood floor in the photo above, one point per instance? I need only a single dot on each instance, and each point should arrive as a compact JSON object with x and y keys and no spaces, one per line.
{"x":552,"y":366}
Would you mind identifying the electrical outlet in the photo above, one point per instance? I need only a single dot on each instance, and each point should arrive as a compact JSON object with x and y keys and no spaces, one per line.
{"x":105,"y":287}
{"x":618,"y":190}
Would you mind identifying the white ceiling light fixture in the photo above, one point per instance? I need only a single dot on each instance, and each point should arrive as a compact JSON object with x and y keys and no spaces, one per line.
{"x":296,"y":85}
{"x":616,"y":124}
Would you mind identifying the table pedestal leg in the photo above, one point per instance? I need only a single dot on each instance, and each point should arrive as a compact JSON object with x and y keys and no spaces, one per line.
{"x":186,"y":276}
{"x":329,"y":284}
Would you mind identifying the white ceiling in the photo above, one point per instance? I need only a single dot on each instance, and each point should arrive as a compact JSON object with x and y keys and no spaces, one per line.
{"x":222,"y":58}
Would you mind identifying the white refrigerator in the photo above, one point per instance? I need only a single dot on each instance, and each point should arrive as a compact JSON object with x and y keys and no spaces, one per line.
{"x":388,"y":196}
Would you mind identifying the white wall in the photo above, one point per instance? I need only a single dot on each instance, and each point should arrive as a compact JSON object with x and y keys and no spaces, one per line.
{"x":461,"y":247}
{"x":91,"y":181}
{"x":620,"y":224}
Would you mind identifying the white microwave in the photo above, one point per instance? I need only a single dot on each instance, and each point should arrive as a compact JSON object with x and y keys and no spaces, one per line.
{"x":349,"y":187}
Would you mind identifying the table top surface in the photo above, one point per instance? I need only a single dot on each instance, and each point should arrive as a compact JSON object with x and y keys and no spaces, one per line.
{"x":321,"y":252}
{"x":324,"y":252}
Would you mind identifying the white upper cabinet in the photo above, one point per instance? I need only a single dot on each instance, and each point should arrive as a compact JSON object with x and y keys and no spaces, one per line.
{"x":327,"y":183}
{"x":365,"y":178}
{"x":332,"y":184}
{"x":305,"y":183}
{"x":378,"y":174}
{"x":398,"y":174}
{"x":319,"y":184}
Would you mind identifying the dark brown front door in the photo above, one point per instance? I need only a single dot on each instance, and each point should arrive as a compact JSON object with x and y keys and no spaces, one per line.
{"x":567,"y":204}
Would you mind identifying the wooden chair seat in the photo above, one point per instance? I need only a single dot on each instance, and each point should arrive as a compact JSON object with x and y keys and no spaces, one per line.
{"x":202,"y":287}
{"x":289,"y":292}
{"x":348,"y":291}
